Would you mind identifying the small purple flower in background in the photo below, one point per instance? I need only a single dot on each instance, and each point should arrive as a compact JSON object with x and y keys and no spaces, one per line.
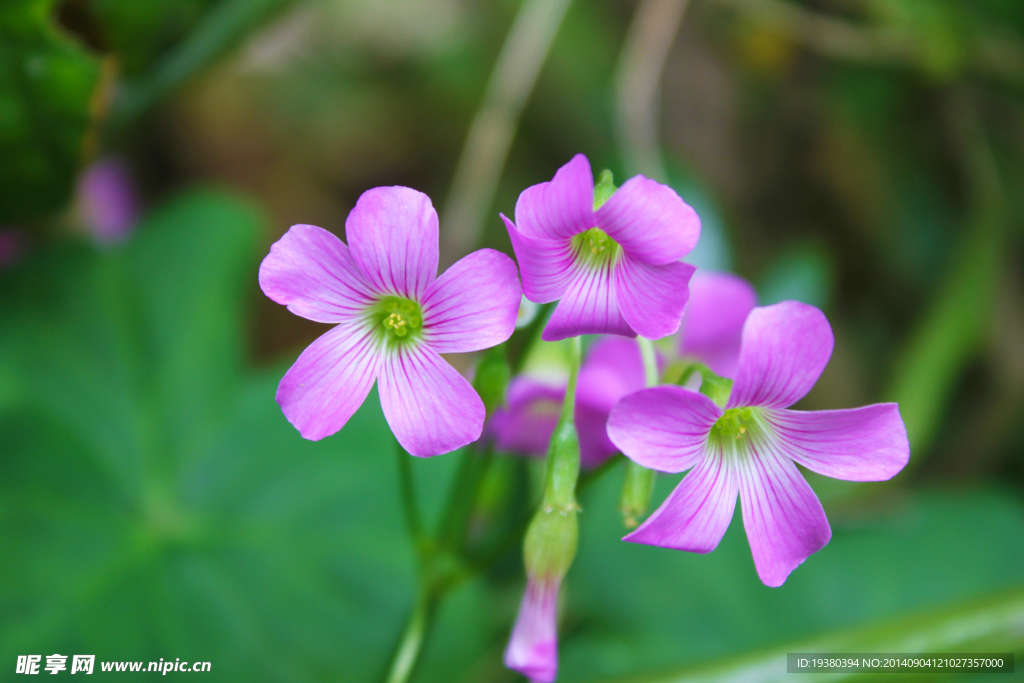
{"x":533,"y":648}
{"x":613,"y":368}
{"x":749,"y":448}
{"x":12,"y":246}
{"x":616,"y":269}
{"x":106,"y":202}
{"x":713,"y":323}
{"x":393,"y":318}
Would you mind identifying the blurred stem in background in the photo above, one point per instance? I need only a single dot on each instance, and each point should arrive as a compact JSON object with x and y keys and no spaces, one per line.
{"x":954,"y":328}
{"x":222,"y":28}
{"x":637,"y":84}
{"x":991,"y":52}
{"x":494,"y":126}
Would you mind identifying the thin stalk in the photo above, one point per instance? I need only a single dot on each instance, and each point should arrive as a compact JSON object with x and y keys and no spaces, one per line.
{"x":410,"y":646}
{"x":650,"y":361}
{"x":637,"y":78}
{"x":639,"y":481}
{"x":494,"y":126}
{"x":410,"y":505}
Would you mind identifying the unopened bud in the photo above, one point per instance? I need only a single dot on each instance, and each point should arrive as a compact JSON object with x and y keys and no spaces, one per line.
{"x":714,"y":387}
{"x":533,"y":648}
{"x":604,"y":189}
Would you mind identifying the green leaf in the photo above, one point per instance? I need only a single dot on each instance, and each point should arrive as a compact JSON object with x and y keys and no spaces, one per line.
{"x":991,"y":625}
{"x":193,"y":267}
{"x":632,"y":608}
{"x":155,"y":502}
{"x":46,"y":83}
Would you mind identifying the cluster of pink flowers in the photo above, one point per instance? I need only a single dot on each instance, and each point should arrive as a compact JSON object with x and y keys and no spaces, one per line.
{"x":613,"y":264}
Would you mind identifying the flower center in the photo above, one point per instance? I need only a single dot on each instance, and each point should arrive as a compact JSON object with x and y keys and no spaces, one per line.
{"x":737,"y":423}
{"x":398,"y":319}
{"x":595,"y":247}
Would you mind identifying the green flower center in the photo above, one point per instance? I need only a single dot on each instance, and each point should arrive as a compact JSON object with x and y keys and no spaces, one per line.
{"x":736,"y":424}
{"x":594,"y":247}
{"x":397,"y":319}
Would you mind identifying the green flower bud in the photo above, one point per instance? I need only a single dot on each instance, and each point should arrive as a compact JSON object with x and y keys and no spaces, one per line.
{"x":551,"y":543}
{"x":604,"y":189}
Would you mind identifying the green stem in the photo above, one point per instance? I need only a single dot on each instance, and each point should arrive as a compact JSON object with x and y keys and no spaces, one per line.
{"x":410,"y":507}
{"x":410,"y":646}
{"x":639,"y":481}
{"x":563,"y":463}
{"x":650,"y":361}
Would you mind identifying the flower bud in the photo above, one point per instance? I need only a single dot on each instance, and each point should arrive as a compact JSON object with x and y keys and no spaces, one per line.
{"x":533,"y":648}
{"x":604,"y":189}
{"x":549,"y":550}
{"x":106,"y":201}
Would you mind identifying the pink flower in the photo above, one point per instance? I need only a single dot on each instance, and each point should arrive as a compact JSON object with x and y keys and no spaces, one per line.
{"x":613,"y":368}
{"x":533,"y":648}
{"x":106,"y":201}
{"x":713,"y":324}
{"x":749,"y":448}
{"x":615,"y":270}
{"x":393,"y":318}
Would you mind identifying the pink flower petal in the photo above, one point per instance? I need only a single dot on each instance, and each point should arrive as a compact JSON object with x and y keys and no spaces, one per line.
{"x":329,"y":381}
{"x":651,"y":222}
{"x":612,"y":369}
{"x":589,"y":306}
{"x":561,"y":208}
{"x":696,"y":514}
{"x":392,"y":233}
{"x":860,"y":444}
{"x":525,"y":425}
{"x":784,"y":350}
{"x":663,"y":428}
{"x":652,"y":298}
{"x":533,"y":648}
{"x":430,"y":407}
{"x":784,"y":520}
{"x":473,"y":305}
{"x":547,"y":266}
{"x":311,"y":272}
{"x":713,"y":324}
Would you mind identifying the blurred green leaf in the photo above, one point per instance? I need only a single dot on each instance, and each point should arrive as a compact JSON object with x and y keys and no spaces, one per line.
{"x":154,"y":500}
{"x":218,"y":30}
{"x":993,"y":625}
{"x":141,"y":32}
{"x":955,"y":326}
{"x":46,"y":83}
{"x":803,"y":273}
{"x":634,"y":608}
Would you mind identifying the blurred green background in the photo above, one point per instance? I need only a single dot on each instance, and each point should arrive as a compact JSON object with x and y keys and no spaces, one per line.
{"x":865,"y":156}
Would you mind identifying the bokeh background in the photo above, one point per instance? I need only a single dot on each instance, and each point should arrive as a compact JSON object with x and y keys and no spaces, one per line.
{"x":865,"y":156}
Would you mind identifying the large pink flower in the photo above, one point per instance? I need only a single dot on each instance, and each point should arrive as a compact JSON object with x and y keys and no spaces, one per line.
{"x":615,"y":270}
{"x":749,"y":447}
{"x":393,"y":318}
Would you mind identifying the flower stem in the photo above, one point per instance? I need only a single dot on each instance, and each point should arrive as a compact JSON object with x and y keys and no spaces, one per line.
{"x":563,"y":464}
{"x":410,"y":646}
{"x":410,"y":507}
{"x":639,"y":481}
{"x":650,"y":361}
